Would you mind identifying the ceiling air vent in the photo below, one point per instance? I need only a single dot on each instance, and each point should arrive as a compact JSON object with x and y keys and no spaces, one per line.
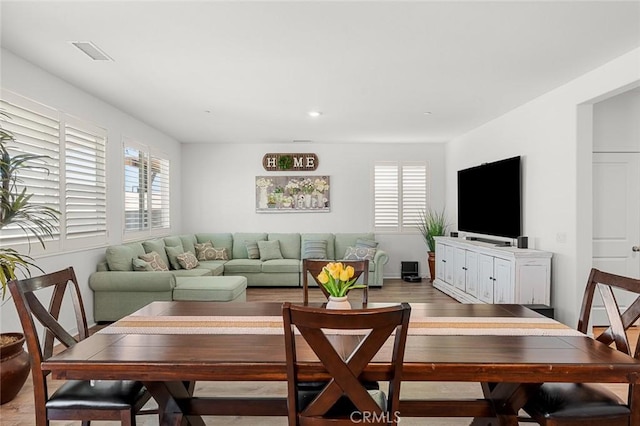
{"x":302,"y":141}
{"x":91,"y":50}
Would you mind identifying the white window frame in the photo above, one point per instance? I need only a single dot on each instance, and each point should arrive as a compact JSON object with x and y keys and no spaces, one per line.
{"x":154,"y":160}
{"x":398,"y":198}
{"x":50,"y":188}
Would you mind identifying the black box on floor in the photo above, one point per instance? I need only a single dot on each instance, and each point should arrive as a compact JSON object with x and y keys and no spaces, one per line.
{"x":409,"y":272}
{"x":545,"y":310}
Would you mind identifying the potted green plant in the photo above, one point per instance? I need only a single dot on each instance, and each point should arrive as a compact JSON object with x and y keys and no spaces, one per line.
{"x":432,"y":223}
{"x":36,"y":221}
{"x":338,"y":280}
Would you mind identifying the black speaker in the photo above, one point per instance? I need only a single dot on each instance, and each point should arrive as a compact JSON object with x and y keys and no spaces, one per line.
{"x":523,"y":242}
{"x":409,"y":272}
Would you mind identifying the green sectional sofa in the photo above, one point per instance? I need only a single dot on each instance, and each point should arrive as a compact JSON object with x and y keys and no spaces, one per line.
{"x":123,"y":282}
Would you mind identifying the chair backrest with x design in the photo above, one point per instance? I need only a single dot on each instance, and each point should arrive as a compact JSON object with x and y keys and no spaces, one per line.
{"x":344,"y":365}
{"x":313,"y":267}
{"x":73,"y":400}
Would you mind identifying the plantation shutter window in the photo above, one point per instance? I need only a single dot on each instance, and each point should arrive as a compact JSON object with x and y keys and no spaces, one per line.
{"x":36,"y":129}
{"x":400,"y":194}
{"x":146,"y":189}
{"x":85,"y":181}
{"x":160,"y":206}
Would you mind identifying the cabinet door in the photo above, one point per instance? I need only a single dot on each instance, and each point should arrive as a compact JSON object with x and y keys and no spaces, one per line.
{"x":440,"y":261}
{"x":503,"y":287}
{"x":448,"y":266}
{"x":485,"y":280}
{"x":471,"y":277}
{"x":459,"y":268}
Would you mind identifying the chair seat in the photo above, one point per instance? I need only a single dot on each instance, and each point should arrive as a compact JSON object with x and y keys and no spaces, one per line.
{"x":97,"y":395}
{"x":559,"y":400}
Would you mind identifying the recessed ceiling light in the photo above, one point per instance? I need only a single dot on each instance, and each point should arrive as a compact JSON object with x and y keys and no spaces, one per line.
{"x":427,"y":113}
{"x":91,"y":50}
{"x":314,"y":114}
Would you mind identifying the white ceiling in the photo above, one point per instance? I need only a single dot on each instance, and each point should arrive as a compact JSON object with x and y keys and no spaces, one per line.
{"x":372,"y":68}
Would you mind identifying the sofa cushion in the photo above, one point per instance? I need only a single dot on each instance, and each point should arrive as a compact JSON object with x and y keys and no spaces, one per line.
{"x":187,"y":242}
{"x":346,"y":239}
{"x":196,"y":272}
{"x":269,"y":250}
{"x":157,"y":246}
{"x":236,"y":266}
{"x":119,"y":258}
{"x":281,"y":266}
{"x":314,"y":249}
{"x":187,"y":260}
{"x":219,"y":240}
{"x":239,"y":239}
{"x":329,"y":238}
{"x":289,"y":244}
{"x":155,"y":260}
{"x":359,"y":253}
{"x":223,"y":289}
{"x":215,"y":266}
{"x":172,"y":254}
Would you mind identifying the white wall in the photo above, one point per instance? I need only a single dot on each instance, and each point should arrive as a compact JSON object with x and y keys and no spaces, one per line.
{"x":549,"y":134}
{"x":616,"y":123}
{"x":219,"y":191}
{"x":27,"y":80}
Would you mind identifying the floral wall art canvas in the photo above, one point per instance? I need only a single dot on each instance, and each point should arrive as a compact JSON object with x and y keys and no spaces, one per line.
{"x":292,"y":194}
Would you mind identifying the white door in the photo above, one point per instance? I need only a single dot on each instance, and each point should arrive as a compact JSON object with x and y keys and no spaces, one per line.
{"x":485,"y":278}
{"x":616,"y":215}
{"x":472,"y":273}
{"x":503,"y":288}
{"x":460,"y":268}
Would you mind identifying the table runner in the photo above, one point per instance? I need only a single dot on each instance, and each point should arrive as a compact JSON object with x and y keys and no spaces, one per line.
{"x":436,"y":326}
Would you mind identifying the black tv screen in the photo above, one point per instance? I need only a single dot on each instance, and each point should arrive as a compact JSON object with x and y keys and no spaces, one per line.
{"x":489,"y":199}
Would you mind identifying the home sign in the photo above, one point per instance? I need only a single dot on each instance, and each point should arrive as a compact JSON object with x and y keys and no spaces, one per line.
{"x":289,"y":161}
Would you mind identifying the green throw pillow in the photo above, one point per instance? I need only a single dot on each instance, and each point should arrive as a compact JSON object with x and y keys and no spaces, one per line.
{"x":253,"y":251}
{"x":269,"y":250}
{"x":172,"y":254}
{"x":314,"y":249}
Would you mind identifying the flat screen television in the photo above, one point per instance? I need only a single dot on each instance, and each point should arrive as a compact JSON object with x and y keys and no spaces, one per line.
{"x":489,"y":199}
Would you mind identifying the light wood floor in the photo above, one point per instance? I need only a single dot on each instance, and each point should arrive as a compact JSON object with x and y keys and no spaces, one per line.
{"x":20,"y":412}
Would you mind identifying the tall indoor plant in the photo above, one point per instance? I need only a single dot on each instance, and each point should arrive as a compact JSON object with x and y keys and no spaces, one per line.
{"x":432,"y":223}
{"x":37,"y":222}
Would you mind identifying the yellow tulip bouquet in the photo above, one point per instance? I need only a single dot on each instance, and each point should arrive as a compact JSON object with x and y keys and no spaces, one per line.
{"x":338,"y":279}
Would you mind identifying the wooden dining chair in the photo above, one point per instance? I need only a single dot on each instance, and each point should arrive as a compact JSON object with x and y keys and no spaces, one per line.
{"x":570,"y":404}
{"x":344,"y":399}
{"x":313,"y":267}
{"x":75,"y":399}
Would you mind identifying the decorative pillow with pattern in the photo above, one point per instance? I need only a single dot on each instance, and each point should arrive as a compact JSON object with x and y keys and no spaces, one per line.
{"x":359,"y":253}
{"x":187,"y":260}
{"x":220,"y":253}
{"x":253,"y":251}
{"x":205,"y":251}
{"x":154,"y":259}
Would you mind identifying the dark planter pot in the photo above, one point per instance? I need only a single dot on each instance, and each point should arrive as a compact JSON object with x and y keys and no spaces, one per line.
{"x":431,"y":260}
{"x":14,"y":368}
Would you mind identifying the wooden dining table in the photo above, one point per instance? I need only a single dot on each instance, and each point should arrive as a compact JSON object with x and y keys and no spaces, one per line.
{"x":508,"y":349}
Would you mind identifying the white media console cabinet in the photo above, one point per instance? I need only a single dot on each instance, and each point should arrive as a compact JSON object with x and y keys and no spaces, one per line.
{"x":479,"y":272}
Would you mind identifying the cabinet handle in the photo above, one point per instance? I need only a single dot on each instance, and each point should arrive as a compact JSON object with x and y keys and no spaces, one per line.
{"x":635,"y":248}
{"x":464,"y":269}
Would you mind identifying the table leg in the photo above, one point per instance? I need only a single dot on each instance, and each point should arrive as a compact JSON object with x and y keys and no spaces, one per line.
{"x":170,"y":413}
{"x":507,"y":400}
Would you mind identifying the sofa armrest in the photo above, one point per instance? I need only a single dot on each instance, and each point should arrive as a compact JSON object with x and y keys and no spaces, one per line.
{"x":381,"y":257}
{"x":134,"y":281}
